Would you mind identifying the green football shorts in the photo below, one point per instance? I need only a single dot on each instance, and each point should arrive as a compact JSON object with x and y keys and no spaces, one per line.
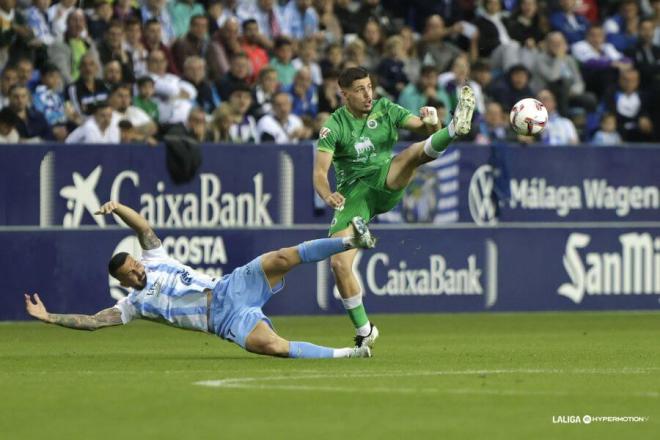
{"x":366,"y":197}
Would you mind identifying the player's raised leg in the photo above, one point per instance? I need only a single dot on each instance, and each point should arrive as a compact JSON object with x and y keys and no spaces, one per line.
{"x":406,"y":163}
{"x":349,"y":288}
{"x":264,"y":340}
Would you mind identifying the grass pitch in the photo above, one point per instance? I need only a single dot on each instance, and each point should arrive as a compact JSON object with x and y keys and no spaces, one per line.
{"x":461,"y":376}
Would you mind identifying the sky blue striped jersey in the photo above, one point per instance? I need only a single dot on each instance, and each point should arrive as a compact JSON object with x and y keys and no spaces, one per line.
{"x":174,"y":293}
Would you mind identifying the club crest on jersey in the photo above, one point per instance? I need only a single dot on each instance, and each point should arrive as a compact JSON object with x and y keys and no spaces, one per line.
{"x":185,"y":277}
{"x":372,"y":123}
{"x":364,"y":146}
{"x":324,"y":132}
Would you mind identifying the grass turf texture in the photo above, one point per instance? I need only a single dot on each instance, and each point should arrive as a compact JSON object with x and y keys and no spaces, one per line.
{"x":433,"y":376}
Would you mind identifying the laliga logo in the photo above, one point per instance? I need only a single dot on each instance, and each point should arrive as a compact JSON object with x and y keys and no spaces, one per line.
{"x":480,"y":200}
{"x":81,"y":196}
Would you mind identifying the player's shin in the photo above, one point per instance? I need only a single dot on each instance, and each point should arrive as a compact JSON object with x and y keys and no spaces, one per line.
{"x":357,"y":314}
{"x":318,"y":250}
{"x":439,"y":141}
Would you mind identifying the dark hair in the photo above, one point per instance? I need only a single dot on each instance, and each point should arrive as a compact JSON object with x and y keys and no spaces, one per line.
{"x":116,"y":262}
{"x":49,"y":68}
{"x":197,"y":17}
{"x":348,"y":76}
{"x":144,"y":80}
{"x":151,"y":21}
{"x":121,"y":85}
{"x":7,"y":116}
{"x":125,"y":124}
{"x":282,"y":41}
{"x":426,"y":69}
{"x":99,"y":106}
{"x":240,"y":86}
{"x":248,"y":22}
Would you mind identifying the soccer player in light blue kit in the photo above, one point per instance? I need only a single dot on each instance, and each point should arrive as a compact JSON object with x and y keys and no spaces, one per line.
{"x":167,"y":291}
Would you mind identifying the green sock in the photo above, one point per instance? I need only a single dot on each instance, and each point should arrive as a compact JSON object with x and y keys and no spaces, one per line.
{"x":440,"y":140}
{"x":358,"y":315}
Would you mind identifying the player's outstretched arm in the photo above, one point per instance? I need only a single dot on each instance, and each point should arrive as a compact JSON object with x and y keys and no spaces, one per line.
{"x":426,"y":123}
{"x":146,"y":235}
{"x":104,"y":318}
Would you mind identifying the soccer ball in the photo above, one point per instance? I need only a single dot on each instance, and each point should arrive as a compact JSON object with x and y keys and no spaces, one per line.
{"x":528,"y":117}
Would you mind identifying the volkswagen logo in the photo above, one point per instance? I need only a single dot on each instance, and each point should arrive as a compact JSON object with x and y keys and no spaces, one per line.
{"x":480,"y":196}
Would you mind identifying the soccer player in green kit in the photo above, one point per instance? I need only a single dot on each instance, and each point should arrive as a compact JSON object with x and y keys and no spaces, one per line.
{"x":358,"y":139}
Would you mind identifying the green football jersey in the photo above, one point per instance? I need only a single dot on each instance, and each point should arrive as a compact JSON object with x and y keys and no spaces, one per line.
{"x":361,"y":147}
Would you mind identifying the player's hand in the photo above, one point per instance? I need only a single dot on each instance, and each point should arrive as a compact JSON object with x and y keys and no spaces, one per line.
{"x":107,"y":208}
{"x":335,"y":201}
{"x":428,"y":115}
{"x":36,"y":308}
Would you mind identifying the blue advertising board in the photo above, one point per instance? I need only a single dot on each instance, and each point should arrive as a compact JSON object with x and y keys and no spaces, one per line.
{"x":434,"y":269}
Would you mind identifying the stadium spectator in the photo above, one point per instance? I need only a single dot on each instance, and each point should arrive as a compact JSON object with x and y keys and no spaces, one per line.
{"x":152,"y":40}
{"x":173,"y":95}
{"x":458,"y":76}
{"x":411,"y":62}
{"x":194,"y":127}
{"x":372,"y":35}
{"x":8,"y":79}
{"x":157,"y":10}
{"x":99,"y":20}
{"x":333,"y":59}
{"x":15,"y":34}
{"x":223,"y":119}
{"x":621,"y":29}
{"x":433,"y":49}
{"x":299,"y":19}
{"x":555,"y":69}
{"x":68,"y":53}
{"x":28,"y":76}
{"x":417,"y":95}
{"x":631,"y":107}
{"x":112,"y":74}
{"x":307,"y":55}
{"x":646,"y":55}
{"x":134,"y":46}
{"x":355,"y":53}
{"x":655,"y":16}
{"x":238,"y":75}
{"x":513,"y":87}
{"x":329,"y":94}
{"x":8,"y":123}
{"x":101,"y":128}
{"x":57,"y":17}
{"x":331,"y":27}
{"x":281,"y":62}
{"x":194,"y":71}
{"x":374,"y":10}
{"x":607,"y":135}
{"x":565,"y":20}
{"x":526,"y":25}
{"x":494,"y":126}
{"x":254,"y":45}
{"x":214,"y":11}
{"x":197,"y":42}
{"x":482,"y":75}
{"x":120,"y":101}
{"x":266,"y":87}
{"x":244,"y":128}
{"x":346,"y":13}
{"x":600,"y":60}
{"x":112,"y":48}
{"x":49,"y":101}
{"x":493,"y":33}
{"x":37,"y":18}
{"x":304,"y":95}
{"x":228,"y":36}
{"x":125,"y":10}
{"x":89,"y":89}
{"x":266,"y":14}
{"x":390,"y":71}
{"x":558,"y":130}
{"x":31,"y":123}
{"x":182,"y":13}
{"x":144,"y":98}
{"x":281,"y":126}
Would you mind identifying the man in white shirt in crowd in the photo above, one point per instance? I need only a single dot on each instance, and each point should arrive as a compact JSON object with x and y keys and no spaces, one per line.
{"x":559,"y":130}
{"x":101,"y":128}
{"x":120,"y":100}
{"x":174,"y":96}
{"x":280,"y":126}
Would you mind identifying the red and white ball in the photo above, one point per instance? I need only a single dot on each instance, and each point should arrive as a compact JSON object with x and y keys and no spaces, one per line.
{"x":528,"y":117}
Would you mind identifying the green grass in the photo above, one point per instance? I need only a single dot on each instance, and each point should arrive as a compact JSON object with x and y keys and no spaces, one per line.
{"x":461,"y":376}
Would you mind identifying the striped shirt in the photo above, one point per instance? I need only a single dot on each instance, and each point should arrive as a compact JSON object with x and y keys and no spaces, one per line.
{"x":174,"y":293}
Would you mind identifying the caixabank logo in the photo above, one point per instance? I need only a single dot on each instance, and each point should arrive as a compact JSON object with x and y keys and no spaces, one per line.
{"x":210,"y":202}
{"x":632,"y":268}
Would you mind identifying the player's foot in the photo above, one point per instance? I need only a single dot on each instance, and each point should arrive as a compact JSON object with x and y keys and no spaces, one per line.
{"x":363,"y":238}
{"x":463,"y":114}
{"x":360,"y":352}
{"x":369,"y":340}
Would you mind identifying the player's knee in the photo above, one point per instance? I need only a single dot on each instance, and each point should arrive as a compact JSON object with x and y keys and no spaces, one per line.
{"x":273,"y":347}
{"x":340,"y":266}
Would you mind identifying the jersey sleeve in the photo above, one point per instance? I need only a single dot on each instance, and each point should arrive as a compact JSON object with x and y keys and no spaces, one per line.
{"x":328,"y":136}
{"x":399,"y":114}
{"x":128,"y":311}
{"x":154,"y":254}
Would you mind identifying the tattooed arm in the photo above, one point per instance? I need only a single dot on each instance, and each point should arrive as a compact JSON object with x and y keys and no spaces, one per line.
{"x":104,"y":318}
{"x":146,"y":235}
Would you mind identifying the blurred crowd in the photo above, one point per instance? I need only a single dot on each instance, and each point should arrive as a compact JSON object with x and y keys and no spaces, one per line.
{"x":245,"y":71}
